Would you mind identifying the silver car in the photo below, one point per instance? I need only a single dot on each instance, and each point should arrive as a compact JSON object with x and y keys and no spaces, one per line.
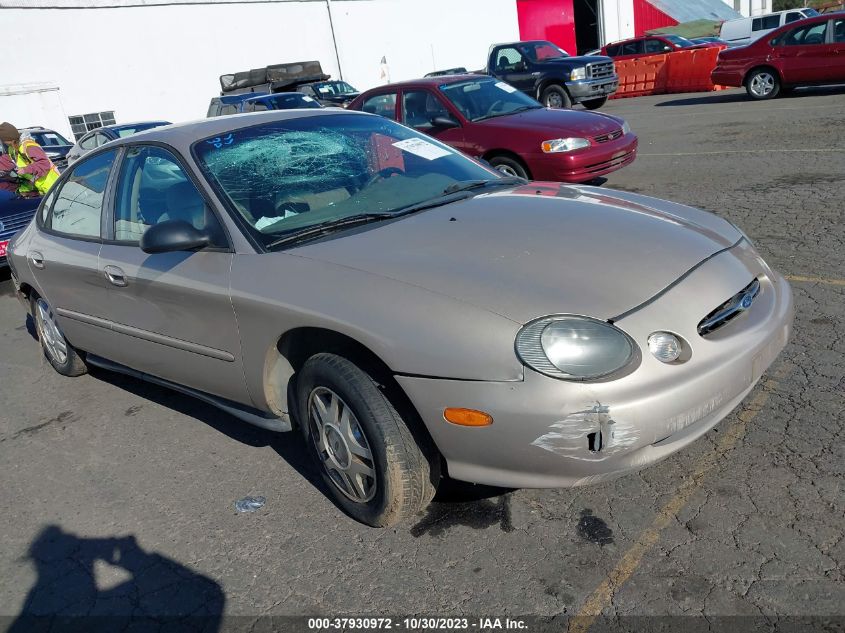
{"x":414,"y":313}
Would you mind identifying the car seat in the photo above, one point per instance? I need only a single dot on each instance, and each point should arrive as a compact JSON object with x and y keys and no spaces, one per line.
{"x":183,"y":202}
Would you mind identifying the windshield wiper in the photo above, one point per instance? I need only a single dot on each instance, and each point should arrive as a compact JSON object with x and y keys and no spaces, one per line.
{"x":514,"y":111}
{"x":468,"y":185}
{"x":323,"y":228}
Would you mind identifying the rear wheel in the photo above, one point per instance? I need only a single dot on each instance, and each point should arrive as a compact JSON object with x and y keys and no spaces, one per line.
{"x":509,"y":166}
{"x":594,"y":104}
{"x":762,"y":83}
{"x":555,"y":96}
{"x":61,"y":354}
{"x":369,"y":458}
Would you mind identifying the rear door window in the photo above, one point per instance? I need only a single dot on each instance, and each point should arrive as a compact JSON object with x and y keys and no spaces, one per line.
{"x":632,"y":48}
{"x":79,"y":202}
{"x":508,"y":59}
{"x":381,"y":104}
{"x":612,"y":50}
{"x":809,"y":35}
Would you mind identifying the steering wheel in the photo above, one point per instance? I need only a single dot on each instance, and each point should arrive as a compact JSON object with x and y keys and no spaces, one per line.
{"x":496,"y":106}
{"x":384,"y":174}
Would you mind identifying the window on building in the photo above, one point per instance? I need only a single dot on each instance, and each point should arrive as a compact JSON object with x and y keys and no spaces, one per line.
{"x":81,"y":124}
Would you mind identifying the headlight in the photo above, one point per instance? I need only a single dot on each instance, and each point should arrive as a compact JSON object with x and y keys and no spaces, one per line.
{"x":626,"y":129}
{"x":574,"y":347}
{"x":558,"y":145}
{"x":578,"y":73}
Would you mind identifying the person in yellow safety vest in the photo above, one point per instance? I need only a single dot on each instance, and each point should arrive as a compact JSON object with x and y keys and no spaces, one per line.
{"x":24,"y":159}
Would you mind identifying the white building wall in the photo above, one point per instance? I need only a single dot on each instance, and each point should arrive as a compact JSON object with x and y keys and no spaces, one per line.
{"x":34,"y":104}
{"x":163,"y":62}
{"x":617,"y":20}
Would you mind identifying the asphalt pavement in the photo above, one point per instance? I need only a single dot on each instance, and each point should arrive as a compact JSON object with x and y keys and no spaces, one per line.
{"x":118,"y":496}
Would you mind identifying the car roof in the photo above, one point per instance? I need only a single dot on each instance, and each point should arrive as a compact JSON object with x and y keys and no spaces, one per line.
{"x":183,"y":135}
{"x":430,"y":81}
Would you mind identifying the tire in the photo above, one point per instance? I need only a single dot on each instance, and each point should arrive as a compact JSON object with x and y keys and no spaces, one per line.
{"x":594,"y":104}
{"x":404,"y":468}
{"x":61,"y":355}
{"x":555,"y":96}
{"x":509,"y":166}
{"x":762,"y":83}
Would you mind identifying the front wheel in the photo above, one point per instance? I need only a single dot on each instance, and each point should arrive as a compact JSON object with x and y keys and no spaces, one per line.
{"x":509,"y":167}
{"x":762,"y":84}
{"x":369,"y":458}
{"x":555,"y":96}
{"x":594,"y":104}
{"x":61,"y":354}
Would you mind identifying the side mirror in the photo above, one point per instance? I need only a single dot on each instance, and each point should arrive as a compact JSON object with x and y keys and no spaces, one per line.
{"x":444,"y":122}
{"x":173,"y":235}
{"x":667,"y":48}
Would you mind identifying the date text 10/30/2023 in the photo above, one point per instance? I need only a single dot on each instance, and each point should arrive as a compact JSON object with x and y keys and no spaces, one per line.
{"x":417,"y":624}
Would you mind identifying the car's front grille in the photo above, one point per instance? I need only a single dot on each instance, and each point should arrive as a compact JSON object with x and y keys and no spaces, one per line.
{"x":617,"y":162}
{"x":612,"y":136}
{"x":11,"y":224}
{"x":600,"y":70}
{"x":730,"y":309}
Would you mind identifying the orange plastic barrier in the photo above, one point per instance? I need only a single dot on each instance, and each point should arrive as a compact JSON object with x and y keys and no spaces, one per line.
{"x":681,"y":71}
{"x":641,"y":76}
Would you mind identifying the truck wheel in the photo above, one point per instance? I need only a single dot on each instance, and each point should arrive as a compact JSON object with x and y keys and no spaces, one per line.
{"x":369,"y":458}
{"x":509,"y":167}
{"x":762,"y":83}
{"x":555,"y":96}
{"x":594,"y":104}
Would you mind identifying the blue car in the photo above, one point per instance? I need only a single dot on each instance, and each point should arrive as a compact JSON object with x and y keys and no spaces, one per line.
{"x":15,"y":213}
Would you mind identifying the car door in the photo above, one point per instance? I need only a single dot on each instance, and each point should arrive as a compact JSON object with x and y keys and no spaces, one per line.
{"x":172,"y":310}
{"x":837,"y":47}
{"x":64,"y":251}
{"x":804,"y":54}
{"x":512,"y":67}
{"x":423,"y":109}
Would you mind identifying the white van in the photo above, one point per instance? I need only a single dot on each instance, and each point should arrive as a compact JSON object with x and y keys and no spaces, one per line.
{"x":743,"y":31}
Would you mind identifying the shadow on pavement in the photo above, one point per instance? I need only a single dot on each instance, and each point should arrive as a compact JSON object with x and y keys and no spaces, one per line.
{"x":111,"y":584}
{"x":737,"y":96}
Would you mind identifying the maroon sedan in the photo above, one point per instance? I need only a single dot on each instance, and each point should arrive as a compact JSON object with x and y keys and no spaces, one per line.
{"x":491,"y":120}
{"x":807,"y":52}
{"x":643,"y":46}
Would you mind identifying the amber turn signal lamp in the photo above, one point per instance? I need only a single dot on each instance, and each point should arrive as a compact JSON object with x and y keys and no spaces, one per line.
{"x":467,"y":417}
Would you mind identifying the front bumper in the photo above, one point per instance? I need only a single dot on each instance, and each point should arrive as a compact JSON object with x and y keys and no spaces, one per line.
{"x":541,"y":432}
{"x":588,"y":89}
{"x":586,"y":164}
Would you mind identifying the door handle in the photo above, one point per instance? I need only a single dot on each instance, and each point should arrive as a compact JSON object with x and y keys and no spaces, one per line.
{"x":36,"y":259}
{"x":115,"y":276}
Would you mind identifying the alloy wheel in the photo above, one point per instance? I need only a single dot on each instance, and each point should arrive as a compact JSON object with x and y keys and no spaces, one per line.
{"x":49,"y":333}
{"x":554,"y":100}
{"x":762,"y":84}
{"x":507,"y":170}
{"x":341,"y":445}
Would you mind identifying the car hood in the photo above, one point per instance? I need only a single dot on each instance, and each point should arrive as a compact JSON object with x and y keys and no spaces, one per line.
{"x":537,"y":250}
{"x":545,"y":120}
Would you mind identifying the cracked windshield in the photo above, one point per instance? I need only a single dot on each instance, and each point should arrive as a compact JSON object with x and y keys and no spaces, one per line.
{"x":286,"y":176}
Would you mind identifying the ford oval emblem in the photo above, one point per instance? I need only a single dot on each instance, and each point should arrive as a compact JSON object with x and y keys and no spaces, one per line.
{"x":746,"y":302}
